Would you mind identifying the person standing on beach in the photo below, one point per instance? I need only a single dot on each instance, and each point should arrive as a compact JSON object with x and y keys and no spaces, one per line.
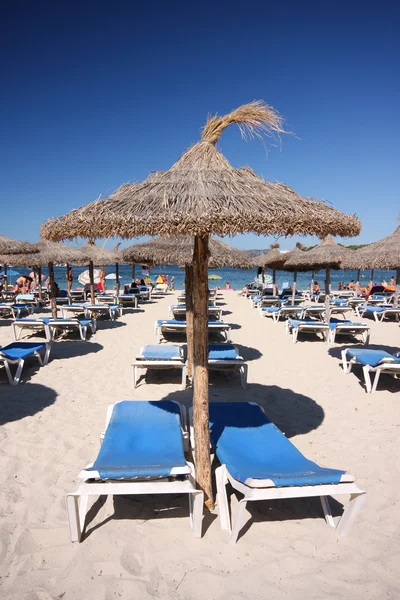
{"x":103,"y":279}
{"x":70,"y":278}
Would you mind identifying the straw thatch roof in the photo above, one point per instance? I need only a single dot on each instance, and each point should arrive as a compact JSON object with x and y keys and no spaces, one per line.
{"x":9,"y":246}
{"x":98,"y":255}
{"x":46,"y":252}
{"x":202,"y":193}
{"x":327,"y":254}
{"x":179,"y":250}
{"x":273,"y":259}
{"x":384,"y":254}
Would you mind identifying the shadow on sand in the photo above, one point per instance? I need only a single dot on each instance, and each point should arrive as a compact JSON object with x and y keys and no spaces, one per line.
{"x":24,"y":400}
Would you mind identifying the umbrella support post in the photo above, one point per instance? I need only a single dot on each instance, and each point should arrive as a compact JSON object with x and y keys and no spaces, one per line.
{"x":117,"y":279}
{"x":312,"y":281}
{"x":189,"y":317}
{"x":91,"y":276}
{"x":53,"y":303}
{"x":397,"y":290}
{"x":40,"y":285}
{"x":5,"y":278}
{"x":274,"y":281}
{"x":372,"y":277}
{"x":294,"y":286}
{"x":133,"y":272}
{"x":327,"y":295}
{"x":200,"y":393}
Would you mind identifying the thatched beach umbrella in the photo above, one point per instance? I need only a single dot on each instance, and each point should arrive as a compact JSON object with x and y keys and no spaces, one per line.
{"x":384,"y":254}
{"x":96,"y":255}
{"x":272,"y":259}
{"x":179,"y":250}
{"x":201,"y":194}
{"x":327,"y":255}
{"x":49,"y":253}
{"x":297,"y":250}
{"x":9,"y":246}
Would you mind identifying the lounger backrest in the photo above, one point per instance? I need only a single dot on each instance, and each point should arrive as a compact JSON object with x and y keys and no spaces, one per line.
{"x":142,"y":439}
{"x":254,"y":448}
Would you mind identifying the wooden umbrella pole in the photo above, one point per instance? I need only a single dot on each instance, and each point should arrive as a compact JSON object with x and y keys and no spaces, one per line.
{"x":327,"y":295}
{"x":133,"y":272}
{"x":274,"y":281}
{"x":189,"y":316}
{"x":312,"y":281}
{"x":40,"y":285}
{"x":5,"y":277}
{"x":200,"y":393}
{"x":91,"y":277}
{"x":372,"y":277}
{"x":53,"y":303}
{"x":397,"y":290}
{"x":294,"y":286}
{"x":117,"y":279}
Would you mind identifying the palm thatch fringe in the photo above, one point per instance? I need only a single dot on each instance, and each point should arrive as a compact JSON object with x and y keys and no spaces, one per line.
{"x":384,"y":254}
{"x":179,"y":250}
{"x":9,"y":246}
{"x":327,"y":254}
{"x":46,"y":252}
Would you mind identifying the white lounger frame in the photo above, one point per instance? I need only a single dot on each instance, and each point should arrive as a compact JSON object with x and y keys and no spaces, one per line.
{"x":133,"y":299}
{"x":214,"y":311}
{"x":91,"y":310}
{"x":18,"y":326}
{"x":379,"y":316}
{"x":93,"y":485}
{"x":232,"y":364}
{"x":71,"y":323}
{"x":346,"y":328}
{"x":308,"y":328}
{"x":143,"y":363}
{"x":20,"y":363}
{"x":177,"y":328}
{"x":389,"y":368}
{"x":267,"y":490}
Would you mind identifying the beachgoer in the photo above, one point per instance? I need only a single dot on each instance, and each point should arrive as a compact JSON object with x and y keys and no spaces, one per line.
{"x":23,"y":284}
{"x":103,"y":279}
{"x":70,"y":278}
{"x":316,"y":288}
{"x":172,"y":283}
{"x":392,"y":281}
{"x":352,"y":285}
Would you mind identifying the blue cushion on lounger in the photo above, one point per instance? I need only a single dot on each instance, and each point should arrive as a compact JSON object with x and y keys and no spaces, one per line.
{"x":222,"y":352}
{"x":33,"y":320}
{"x":271,"y":309}
{"x":253,"y":448}
{"x":333,"y":323}
{"x":297,"y":322}
{"x":371,"y":357}
{"x":161,"y":352}
{"x":21,"y":349}
{"x":170,"y":322}
{"x":372,"y":309}
{"x":143,"y":439}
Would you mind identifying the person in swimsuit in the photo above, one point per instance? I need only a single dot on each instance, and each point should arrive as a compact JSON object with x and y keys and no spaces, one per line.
{"x":70,"y":278}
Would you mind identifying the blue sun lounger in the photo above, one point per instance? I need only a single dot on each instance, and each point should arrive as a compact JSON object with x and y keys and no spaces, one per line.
{"x":378,"y":312}
{"x":142,"y":453}
{"x":18,"y":352}
{"x":261,"y":463}
{"x":294,"y":326}
{"x":372,"y":361}
{"x":66,"y":324}
{"x":38,"y":324}
{"x":159,"y":356}
{"x":343,"y":326}
{"x":174,"y":326}
{"x":226,"y":357}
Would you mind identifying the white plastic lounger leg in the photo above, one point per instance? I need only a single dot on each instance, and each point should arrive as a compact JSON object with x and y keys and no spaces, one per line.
{"x":184,"y":377}
{"x":243,"y":375}
{"x":228,"y":335}
{"x":345,"y":363}
{"x":17,"y":376}
{"x":327,"y":511}
{"x":376,"y":379}
{"x":239,"y":520}
{"x":351,"y":511}
{"x":367,"y":378}
{"x":134,"y":376}
{"x":196,"y":501}
{"x":222,"y":498}
{"x":9,"y":375}
{"x":76,"y":518}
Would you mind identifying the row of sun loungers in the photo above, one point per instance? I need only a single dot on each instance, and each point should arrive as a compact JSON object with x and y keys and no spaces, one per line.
{"x":143,"y":452}
{"x":163,"y":326}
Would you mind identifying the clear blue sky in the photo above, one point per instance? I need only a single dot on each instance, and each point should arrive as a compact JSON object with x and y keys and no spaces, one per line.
{"x":97,"y":93}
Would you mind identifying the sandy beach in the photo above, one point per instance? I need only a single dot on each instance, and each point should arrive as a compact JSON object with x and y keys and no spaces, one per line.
{"x":142,"y":547}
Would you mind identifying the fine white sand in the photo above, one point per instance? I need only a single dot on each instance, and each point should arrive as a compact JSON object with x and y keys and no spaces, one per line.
{"x":142,"y":547}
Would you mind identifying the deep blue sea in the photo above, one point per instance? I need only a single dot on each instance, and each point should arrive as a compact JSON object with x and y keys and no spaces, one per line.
{"x":236,"y":277}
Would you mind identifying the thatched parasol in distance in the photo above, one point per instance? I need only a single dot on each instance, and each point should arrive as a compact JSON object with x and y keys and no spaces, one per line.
{"x":48,"y":253}
{"x":384,"y":254}
{"x":327,"y":255}
{"x":179,"y":250}
{"x":9,"y":246}
{"x":272,"y":259}
{"x":96,"y":255}
{"x":202,"y":194}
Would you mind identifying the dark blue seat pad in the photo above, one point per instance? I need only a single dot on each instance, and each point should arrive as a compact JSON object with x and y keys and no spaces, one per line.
{"x":371,"y":357}
{"x":161,"y":352}
{"x":21,"y":349}
{"x":254,"y":448}
{"x":222,"y":352}
{"x":143,"y":439}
